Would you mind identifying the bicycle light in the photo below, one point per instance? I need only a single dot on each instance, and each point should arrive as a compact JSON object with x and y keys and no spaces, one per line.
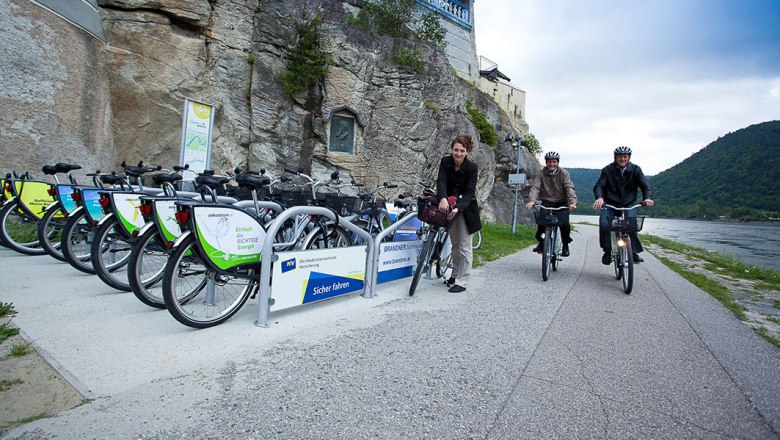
{"x":105,"y":202}
{"x":621,"y":243}
{"x":182,"y":217}
{"x":51,"y":191}
{"x":75,"y":196}
{"x":145,"y":209}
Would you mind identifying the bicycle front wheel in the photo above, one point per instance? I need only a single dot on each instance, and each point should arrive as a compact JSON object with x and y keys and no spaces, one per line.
{"x":19,"y":231}
{"x":50,"y":232}
{"x":146,"y":268}
{"x":422,"y":261}
{"x":556,"y":246}
{"x":110,"y":254}
{"x":335,"y":237}
{"x":198,"y":296}
{"x":628,"y":266}
{"x":547,"y":254}
{"x":76,"y":242}
{"x":476,"y":240}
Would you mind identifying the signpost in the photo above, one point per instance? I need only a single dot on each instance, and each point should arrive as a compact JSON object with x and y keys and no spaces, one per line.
{"x":197,"y":123}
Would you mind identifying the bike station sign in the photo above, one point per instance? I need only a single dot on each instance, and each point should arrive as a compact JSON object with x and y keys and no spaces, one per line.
{"x":198,"y":120}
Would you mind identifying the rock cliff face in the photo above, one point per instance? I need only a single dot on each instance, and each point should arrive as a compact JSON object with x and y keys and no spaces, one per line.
{"x":229,"y":53}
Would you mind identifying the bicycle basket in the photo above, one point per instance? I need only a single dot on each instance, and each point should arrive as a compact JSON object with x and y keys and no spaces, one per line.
{"x":293,"y":198}
{"x":628,"y":224}
{"x":343,"y":205}
{"x":428,"y":211}
{"x":545,"y":217}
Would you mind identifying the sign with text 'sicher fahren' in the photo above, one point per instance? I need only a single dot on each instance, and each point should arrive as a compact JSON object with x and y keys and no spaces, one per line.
{"x":197,"y":123}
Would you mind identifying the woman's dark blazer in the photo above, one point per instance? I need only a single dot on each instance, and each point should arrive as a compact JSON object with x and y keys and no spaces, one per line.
{"x":463,"y":185}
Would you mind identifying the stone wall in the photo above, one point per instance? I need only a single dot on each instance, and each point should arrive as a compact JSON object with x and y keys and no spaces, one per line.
{"x":54,"y":94}
{"x":230,"y":53}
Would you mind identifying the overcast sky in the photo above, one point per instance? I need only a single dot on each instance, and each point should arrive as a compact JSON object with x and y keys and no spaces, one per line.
{"x":665,"y":77}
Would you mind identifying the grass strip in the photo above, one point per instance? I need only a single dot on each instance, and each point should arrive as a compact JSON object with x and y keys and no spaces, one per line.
{"x":704,"y":283}
{"x":498,"y":241}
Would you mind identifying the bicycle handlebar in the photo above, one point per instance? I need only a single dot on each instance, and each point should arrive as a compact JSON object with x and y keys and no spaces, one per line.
{"x":638,"y":205}
{"x":559,"y":208}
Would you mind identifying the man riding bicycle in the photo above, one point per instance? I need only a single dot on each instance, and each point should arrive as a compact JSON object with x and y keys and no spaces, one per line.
{"x":553,"y":186}
{"x":617,"y":186}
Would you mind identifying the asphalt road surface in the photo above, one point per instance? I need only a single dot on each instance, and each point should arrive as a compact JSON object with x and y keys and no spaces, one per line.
{"x":512,"y":357}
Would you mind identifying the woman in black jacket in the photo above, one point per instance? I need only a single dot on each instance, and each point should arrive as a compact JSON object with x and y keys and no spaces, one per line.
{"x":458,"y":178}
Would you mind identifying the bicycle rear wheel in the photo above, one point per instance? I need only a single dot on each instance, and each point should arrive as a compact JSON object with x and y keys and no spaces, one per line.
{"x":76,"y":242}
{"x":19,"y":231}
{"x":628,"y":266}
{"x":50,"y":232}
{"x":547,"y":250}
{"x":110,"y":255}
{"x":198,"y":296}
{"x":147,"y":267}
{"x":423,"y":260}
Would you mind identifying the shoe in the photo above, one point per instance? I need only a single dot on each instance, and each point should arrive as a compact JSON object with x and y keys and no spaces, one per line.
{"x":638,"y":259}
{"x":450,"y":281}
{"x":606,"y":258}
{"x":565,"y":251}
{"x":457,"y":289}
{"x":538,"y":249}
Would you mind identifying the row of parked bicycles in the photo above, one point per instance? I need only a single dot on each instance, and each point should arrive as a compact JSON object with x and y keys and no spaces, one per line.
{"x":176,"y":249}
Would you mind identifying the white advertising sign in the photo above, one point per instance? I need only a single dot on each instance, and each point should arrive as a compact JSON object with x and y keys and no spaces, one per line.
{"x":127,"y":210}
{"x":301,"y":277}
{"x":198,"y":120}
{"x":397,"y":260}
{"x":230,"y":237}
{"x":166,"y":219}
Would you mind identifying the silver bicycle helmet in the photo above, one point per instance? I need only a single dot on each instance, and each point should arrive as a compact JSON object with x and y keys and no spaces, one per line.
{"x":552,"y":155}
{"x":623,"y":150}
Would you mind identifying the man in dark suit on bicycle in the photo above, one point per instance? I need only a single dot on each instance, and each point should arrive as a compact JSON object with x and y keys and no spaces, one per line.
{"x":617,"y":186}
{"x":553,"y":186}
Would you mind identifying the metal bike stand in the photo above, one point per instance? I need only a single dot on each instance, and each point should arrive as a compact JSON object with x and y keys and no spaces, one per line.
{"x":268,"y":255}
{"x":378,"y":242}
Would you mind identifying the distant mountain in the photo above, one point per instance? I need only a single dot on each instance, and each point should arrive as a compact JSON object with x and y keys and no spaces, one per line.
{"x":584,"y":179}
{"x":738,"y":171}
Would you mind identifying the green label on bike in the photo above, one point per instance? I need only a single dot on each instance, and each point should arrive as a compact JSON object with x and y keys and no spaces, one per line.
{"x":126,"y":206}
{"x":165,"y":211}
{"x":230,"y":237}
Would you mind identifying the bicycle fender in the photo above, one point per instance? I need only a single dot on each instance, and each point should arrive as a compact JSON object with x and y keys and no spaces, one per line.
{"x":146,"y":227}
{"x":181,"y":238}
{"x":76,"y":211}
{"x":105,"y":219}
{"x":46,"y":209}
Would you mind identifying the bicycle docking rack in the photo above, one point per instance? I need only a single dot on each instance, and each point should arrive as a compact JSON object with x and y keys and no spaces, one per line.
{"x":269,"y":255}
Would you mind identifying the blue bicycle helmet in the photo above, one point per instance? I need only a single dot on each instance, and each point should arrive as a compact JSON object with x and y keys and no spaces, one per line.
{"x":552,"y":155}
{"x":623,"y":150}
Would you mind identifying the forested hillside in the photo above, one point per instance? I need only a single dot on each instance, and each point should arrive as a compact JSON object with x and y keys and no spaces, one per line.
{"x":735,"y":176}
{"x":584,"y":179}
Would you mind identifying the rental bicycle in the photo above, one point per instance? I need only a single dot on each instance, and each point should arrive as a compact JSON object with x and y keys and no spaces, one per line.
{"x":622,"y":254}
{"x":436,"y":245}
{"x":551,"y":219}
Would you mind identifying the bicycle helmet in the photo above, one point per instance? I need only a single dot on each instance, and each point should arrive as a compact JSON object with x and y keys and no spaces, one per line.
{"x":623,"y":150}
{"x":552,"y":155}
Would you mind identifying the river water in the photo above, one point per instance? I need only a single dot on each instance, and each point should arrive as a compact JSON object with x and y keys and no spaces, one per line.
{"x":753,"y":243}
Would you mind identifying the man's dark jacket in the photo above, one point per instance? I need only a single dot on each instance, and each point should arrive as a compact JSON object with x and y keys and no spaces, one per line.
{"x":620,"y":190}
{"x":463,"y":185}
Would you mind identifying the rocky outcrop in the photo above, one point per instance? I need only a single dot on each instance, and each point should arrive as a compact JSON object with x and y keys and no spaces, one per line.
{"x":54,"y":94}
{"x":230,"y":53}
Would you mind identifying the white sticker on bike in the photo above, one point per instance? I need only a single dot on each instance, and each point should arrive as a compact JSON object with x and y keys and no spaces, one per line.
{"x":166,"y":219}
{"x":230,"y":237}
{"x":127,"y":209}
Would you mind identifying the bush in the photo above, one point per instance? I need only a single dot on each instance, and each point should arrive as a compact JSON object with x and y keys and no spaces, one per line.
{"x":305,"y":61}
{"x":487,"y":132}
{"x":411,"y":58}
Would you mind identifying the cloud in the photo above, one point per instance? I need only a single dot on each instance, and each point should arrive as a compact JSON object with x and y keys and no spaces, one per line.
{"x":665,"y":77}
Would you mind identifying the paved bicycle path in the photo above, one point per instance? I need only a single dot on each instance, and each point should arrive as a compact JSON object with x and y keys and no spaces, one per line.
{"x":513,"y":357}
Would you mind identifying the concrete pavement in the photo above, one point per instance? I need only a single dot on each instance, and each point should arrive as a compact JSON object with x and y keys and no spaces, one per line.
{"x":512,"y":357}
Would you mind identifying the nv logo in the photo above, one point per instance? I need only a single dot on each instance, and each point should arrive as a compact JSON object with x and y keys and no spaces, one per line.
{"x":288,"y":265}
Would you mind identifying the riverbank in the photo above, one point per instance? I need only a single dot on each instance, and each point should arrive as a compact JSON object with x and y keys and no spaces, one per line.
{"x":752,"y":293}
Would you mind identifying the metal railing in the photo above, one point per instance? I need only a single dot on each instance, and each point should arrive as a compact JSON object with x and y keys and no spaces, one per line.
{"x":452,"y":9}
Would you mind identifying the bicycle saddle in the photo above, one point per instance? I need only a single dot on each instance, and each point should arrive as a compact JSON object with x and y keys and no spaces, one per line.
{"x":253,"y":181}
{"x":159,"y":179}
{"x":211,"y":181}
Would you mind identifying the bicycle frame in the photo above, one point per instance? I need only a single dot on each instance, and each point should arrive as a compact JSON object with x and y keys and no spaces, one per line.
{"x":622,"y":251}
